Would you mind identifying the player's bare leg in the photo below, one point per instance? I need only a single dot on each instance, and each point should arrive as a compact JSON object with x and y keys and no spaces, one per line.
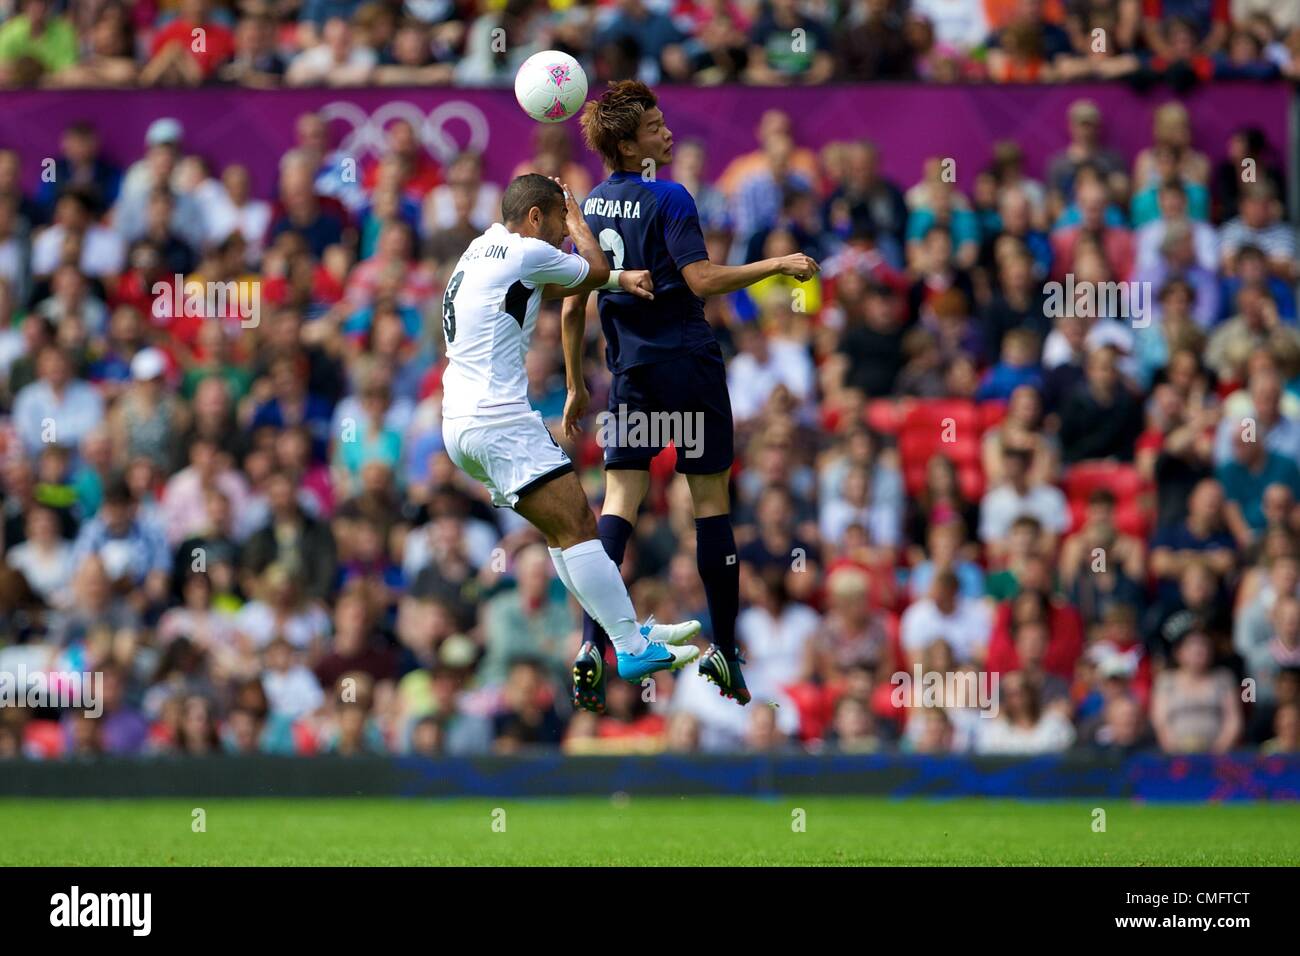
{"x":560,"y":511}
{"x":625,"y":489}
{"x":715,"y":556}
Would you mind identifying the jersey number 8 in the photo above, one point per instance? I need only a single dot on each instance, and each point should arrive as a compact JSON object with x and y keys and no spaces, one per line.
{"x":449,"y":306}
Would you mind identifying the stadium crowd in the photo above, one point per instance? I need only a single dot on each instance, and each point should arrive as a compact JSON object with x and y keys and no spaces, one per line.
{"x":245,"y":521}
{"x":268,"y":43}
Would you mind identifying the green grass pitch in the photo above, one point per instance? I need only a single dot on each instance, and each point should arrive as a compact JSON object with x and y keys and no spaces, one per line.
{"x":643,"y":831}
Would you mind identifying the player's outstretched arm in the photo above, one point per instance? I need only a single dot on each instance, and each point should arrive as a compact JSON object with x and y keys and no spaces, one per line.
{"x":706,"y":278}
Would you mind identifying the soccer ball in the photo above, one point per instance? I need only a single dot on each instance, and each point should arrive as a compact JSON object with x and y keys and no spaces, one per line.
{"x":551,"y":86}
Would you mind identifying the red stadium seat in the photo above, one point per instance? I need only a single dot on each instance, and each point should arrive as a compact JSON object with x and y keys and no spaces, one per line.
{"x":991,"y":414}
{"x":924,"y":444}
{"x":1083,"y":479}
{"x":816,"y":708}
{"x":925,"y":426}
{"x":884,"y":415}
{"x":970,"y":478}
{"x":1078,"y":512}
{"x":893,"y":628}
{"x":1133,"y":517}
{"x":932,"y":414}
{"x":918,"y":447}
{"x":44,"y":738}
{"x":1133,"y":514}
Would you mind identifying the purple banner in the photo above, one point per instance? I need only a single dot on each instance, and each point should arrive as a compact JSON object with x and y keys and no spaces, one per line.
{"x":910,"y":123}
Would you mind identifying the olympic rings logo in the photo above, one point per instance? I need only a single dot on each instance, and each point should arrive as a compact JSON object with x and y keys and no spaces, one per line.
{"x":366,"y":134}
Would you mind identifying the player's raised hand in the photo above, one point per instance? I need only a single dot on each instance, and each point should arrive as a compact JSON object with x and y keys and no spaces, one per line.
{"x":800,"y":266}
{"x":572,"y":214}
{"x":575,"y":406}
{"x":638,"y":282}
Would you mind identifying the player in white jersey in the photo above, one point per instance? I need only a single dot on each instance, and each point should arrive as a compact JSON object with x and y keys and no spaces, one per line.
{"x":492,"y":433}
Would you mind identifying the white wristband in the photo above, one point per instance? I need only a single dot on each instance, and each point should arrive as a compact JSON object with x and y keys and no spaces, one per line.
{"x":612,"y":281}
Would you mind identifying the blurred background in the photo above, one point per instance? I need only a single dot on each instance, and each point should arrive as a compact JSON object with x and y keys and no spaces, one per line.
{"x":250,"y":528}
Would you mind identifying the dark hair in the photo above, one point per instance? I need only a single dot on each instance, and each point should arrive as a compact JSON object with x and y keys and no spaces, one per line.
{"x":1027,"y":521}
{"x":118,"y":492}
{"x":1018,"y":452}
{"x":614,"y":117}
{"x":1102,"y":496}
{"x":83,"y":197}
{"x":527,"y":191}
{"x":1175,"y":284}
{"x":1173,"y":185}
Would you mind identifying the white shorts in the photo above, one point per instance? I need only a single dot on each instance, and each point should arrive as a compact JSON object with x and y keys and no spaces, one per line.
{"x":511,"y":455}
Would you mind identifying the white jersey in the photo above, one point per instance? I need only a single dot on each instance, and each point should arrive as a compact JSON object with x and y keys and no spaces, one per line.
{"x":488,"y":314}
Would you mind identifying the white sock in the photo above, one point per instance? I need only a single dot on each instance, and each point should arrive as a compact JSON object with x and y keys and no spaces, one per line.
{"x":557,"y":559}
{"x":596,"y":583}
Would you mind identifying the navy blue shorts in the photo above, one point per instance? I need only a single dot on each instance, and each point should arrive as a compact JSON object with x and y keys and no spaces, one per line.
{"x":683,"y":402}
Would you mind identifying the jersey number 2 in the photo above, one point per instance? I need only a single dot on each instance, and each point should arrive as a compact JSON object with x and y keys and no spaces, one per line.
{"x":612,"y":242}
{"x":449,"y":306}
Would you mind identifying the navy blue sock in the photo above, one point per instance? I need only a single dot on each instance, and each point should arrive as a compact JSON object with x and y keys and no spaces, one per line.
{"x":614,"y":534}
{"x":715,"y":555}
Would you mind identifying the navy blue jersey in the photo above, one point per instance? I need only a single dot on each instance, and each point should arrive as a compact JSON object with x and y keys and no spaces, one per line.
{"x":648,"y":225}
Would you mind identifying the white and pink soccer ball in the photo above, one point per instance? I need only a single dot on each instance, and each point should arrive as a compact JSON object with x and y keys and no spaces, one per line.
{"x":551,"y":86}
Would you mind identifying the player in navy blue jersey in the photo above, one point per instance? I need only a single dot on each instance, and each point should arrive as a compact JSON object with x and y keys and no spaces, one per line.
{"x":669,"y":378}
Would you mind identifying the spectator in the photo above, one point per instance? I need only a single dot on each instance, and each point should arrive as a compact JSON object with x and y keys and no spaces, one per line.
{"x":774,"y":59}
{"x":35,"y":42}
{"x":945,"y":615}
{"x":465,"y":176}
{"x":1201,"y":536}
{"x":1195,"y":707}
{"x":101,"y":250}
{"x":321,"y":221}
{"x":652,"y":34}
{"x":292,"y":540}
{"x":291,"y":689}
{"x":57,"y":407}
{"x":528,"y":619}
{"x":82,"y":167}
{"x":131,"y":550}
{"x":1124,"y":728}
{"x":177,"y":59}
{"x":959,"y":23}
{"x":279,"y":611}
{"x":873,"y":46}
{"x":850,"y":635}
{"x":338,"y":60}
{"x":1259,"y":224}
{"x":1025,"y":726}
{"x":1020,"y":494}
{"x":1085,"y":148}
{"x":255,"y":61}
{"x":1246,"y":479}
{"x":44,"y":558}
{"x":1101,"y":419}
{"x":527,"y":715}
